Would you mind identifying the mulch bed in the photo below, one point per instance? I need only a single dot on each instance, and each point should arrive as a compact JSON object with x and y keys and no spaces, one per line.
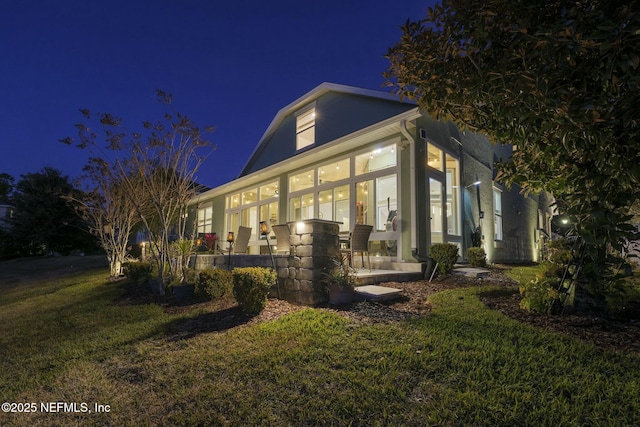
{"x":604,"y":333}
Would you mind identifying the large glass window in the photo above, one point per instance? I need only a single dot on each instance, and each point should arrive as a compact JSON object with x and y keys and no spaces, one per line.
{"x":333,"y":205}
{"x":301,"y":207}
{"x":377,"y":202}
{"x":435,"y":210}
{"x":301,"y":181}
{"x":434,"y":157}
{"x":205,"y":220}
{"x":305,"y":128}
{"x":377,"y":159}
{"x":453,"y":196}
{"x":269,"y":190}
{"x":497,"y":214}
{"x":334,"y":171}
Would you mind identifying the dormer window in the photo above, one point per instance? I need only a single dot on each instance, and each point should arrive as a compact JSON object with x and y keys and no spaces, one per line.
{"x":305,"y":127}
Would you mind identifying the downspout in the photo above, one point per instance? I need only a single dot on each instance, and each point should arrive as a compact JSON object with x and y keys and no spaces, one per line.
{"x":412,"y":168}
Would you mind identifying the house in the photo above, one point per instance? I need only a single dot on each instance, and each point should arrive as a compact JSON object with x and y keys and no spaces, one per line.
{"x":6,"y":213}
{"x":352,"y":155}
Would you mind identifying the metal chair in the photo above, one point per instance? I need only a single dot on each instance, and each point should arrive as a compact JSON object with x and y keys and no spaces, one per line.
{"x":242,"y":240}
{"x":282,"y":233}
{"x":359,"y":242}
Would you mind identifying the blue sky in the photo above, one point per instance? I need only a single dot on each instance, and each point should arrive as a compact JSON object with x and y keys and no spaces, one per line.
{"x":229,"y":64}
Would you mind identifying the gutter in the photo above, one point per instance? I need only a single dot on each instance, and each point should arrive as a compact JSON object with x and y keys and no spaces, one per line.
{"x":412,"y":168}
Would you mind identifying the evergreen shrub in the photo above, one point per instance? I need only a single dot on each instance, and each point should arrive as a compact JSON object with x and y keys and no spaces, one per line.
{"x":446,"y":255}
{"x":214,"y":283}
{"x":251,"y":285}
{"x":477,"y":257}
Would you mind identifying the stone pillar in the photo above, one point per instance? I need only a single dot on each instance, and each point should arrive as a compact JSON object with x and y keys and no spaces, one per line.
{"x":313,"y":243}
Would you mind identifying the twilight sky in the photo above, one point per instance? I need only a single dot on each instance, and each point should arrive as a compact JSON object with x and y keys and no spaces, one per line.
{"x":230,"y":64}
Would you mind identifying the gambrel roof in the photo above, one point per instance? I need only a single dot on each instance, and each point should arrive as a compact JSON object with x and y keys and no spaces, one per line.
{"x":340,"y":110}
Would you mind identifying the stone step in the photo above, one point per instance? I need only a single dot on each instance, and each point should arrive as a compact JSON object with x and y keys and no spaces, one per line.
{"x":376,"y":293}
{"x":471,"y":272}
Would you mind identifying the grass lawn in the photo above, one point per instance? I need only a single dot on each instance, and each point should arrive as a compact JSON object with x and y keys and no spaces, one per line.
{"x":71,"y":340}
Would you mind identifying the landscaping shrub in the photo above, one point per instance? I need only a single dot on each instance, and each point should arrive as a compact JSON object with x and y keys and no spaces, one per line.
{"x":214,"y":283}
{"x":138,"y":272}
{"x":477,"y":257}
{"x":539,"y":295}
{"x":251,"y":286}
{"x":446,"y":255}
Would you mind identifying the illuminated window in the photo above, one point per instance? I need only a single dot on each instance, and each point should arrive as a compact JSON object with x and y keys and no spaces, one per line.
{"x":301,"y":181}
{"x":376,"y":159}
{"x":269,"y":190}
{"x":334,"y":171}
{"x":497,"y":214}
{"x":434,"y":157}
{"x":205,"y":220}
{"x":305,"y":128}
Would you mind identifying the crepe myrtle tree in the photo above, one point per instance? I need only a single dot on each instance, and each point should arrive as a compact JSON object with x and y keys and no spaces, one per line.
{"x":156,"y":167}
{"x":557,"y":79}
{"x":108,"y":210}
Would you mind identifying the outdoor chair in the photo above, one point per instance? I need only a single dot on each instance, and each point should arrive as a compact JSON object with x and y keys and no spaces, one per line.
{"x":359,"y":242}
{"x":282,"y":233}
{"x":242,"y":240}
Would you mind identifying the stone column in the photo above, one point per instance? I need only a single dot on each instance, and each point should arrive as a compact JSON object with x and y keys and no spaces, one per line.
{"x":313,"y":243}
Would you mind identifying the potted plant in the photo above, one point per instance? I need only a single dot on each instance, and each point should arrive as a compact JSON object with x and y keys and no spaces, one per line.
{"x":340,"y":281}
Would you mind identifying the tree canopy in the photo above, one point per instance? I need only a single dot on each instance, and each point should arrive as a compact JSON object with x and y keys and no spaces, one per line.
{"x":557,"y":79}
{"x":43,"y":221}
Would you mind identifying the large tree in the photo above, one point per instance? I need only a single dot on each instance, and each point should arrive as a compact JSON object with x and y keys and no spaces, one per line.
{"x":157,"y":167}
{"x":557,"y":79}
{"x":6,"y":188}
{"x":43,"y":221}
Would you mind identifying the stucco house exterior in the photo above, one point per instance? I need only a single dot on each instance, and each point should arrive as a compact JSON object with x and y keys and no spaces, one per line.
{"x":352,"y":155}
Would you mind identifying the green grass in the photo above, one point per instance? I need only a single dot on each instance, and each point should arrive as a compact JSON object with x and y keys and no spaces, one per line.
{"x":462,"y":365}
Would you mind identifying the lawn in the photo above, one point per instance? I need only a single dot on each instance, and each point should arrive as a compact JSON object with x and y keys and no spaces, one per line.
{"x":71,"y":339}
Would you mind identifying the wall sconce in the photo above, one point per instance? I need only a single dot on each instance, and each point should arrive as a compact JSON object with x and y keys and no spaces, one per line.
{"x":230,"y":239}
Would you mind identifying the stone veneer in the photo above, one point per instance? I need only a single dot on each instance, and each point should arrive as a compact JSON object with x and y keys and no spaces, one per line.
{"x":313,"y":244}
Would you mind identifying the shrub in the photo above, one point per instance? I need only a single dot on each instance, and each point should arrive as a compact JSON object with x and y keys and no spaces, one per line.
{"x":539,"y":295}
{"x":138,"y":272}
{"x":251,"y":285}
{"x":446,"y":255}
{"x":477,"y":257}
{"x":214,"y":283}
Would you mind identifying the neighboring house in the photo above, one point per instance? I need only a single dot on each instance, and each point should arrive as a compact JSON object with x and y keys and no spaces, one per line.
{"x":360,"y":156}
{"x":6,"y":212}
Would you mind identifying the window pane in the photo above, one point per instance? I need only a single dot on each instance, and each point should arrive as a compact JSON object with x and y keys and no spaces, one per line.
{"x":305,"y":138}
{"x":435,"y":210}
{"x":364,"y":202}
{"x":301,"y":181}
{"x":307,"y":206}
{"x":325,"y":205}
{"x":249,"y":196}
{"x":305,"y":128}
{"x":301,"y":207}
{"x":434,"y":157}
{"x":386,"y":201}
{"x":233,"y":201}
{"x":269,"y":190}
{"x":332,"y":172}
{"x":453,"y":196}
{"x":376,"y":159}
{"x":342,"y":203}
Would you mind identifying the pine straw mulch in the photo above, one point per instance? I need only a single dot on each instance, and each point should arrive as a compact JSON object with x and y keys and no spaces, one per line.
{"x":604,"y":333}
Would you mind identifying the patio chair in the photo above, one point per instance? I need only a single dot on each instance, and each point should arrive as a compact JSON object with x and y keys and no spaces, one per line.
{"x":242,"y":240}
{"x":282,"y":238}
{"x":359,"y":242}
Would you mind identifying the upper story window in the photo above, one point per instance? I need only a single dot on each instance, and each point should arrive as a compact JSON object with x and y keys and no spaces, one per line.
{"x":306,"y":127}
